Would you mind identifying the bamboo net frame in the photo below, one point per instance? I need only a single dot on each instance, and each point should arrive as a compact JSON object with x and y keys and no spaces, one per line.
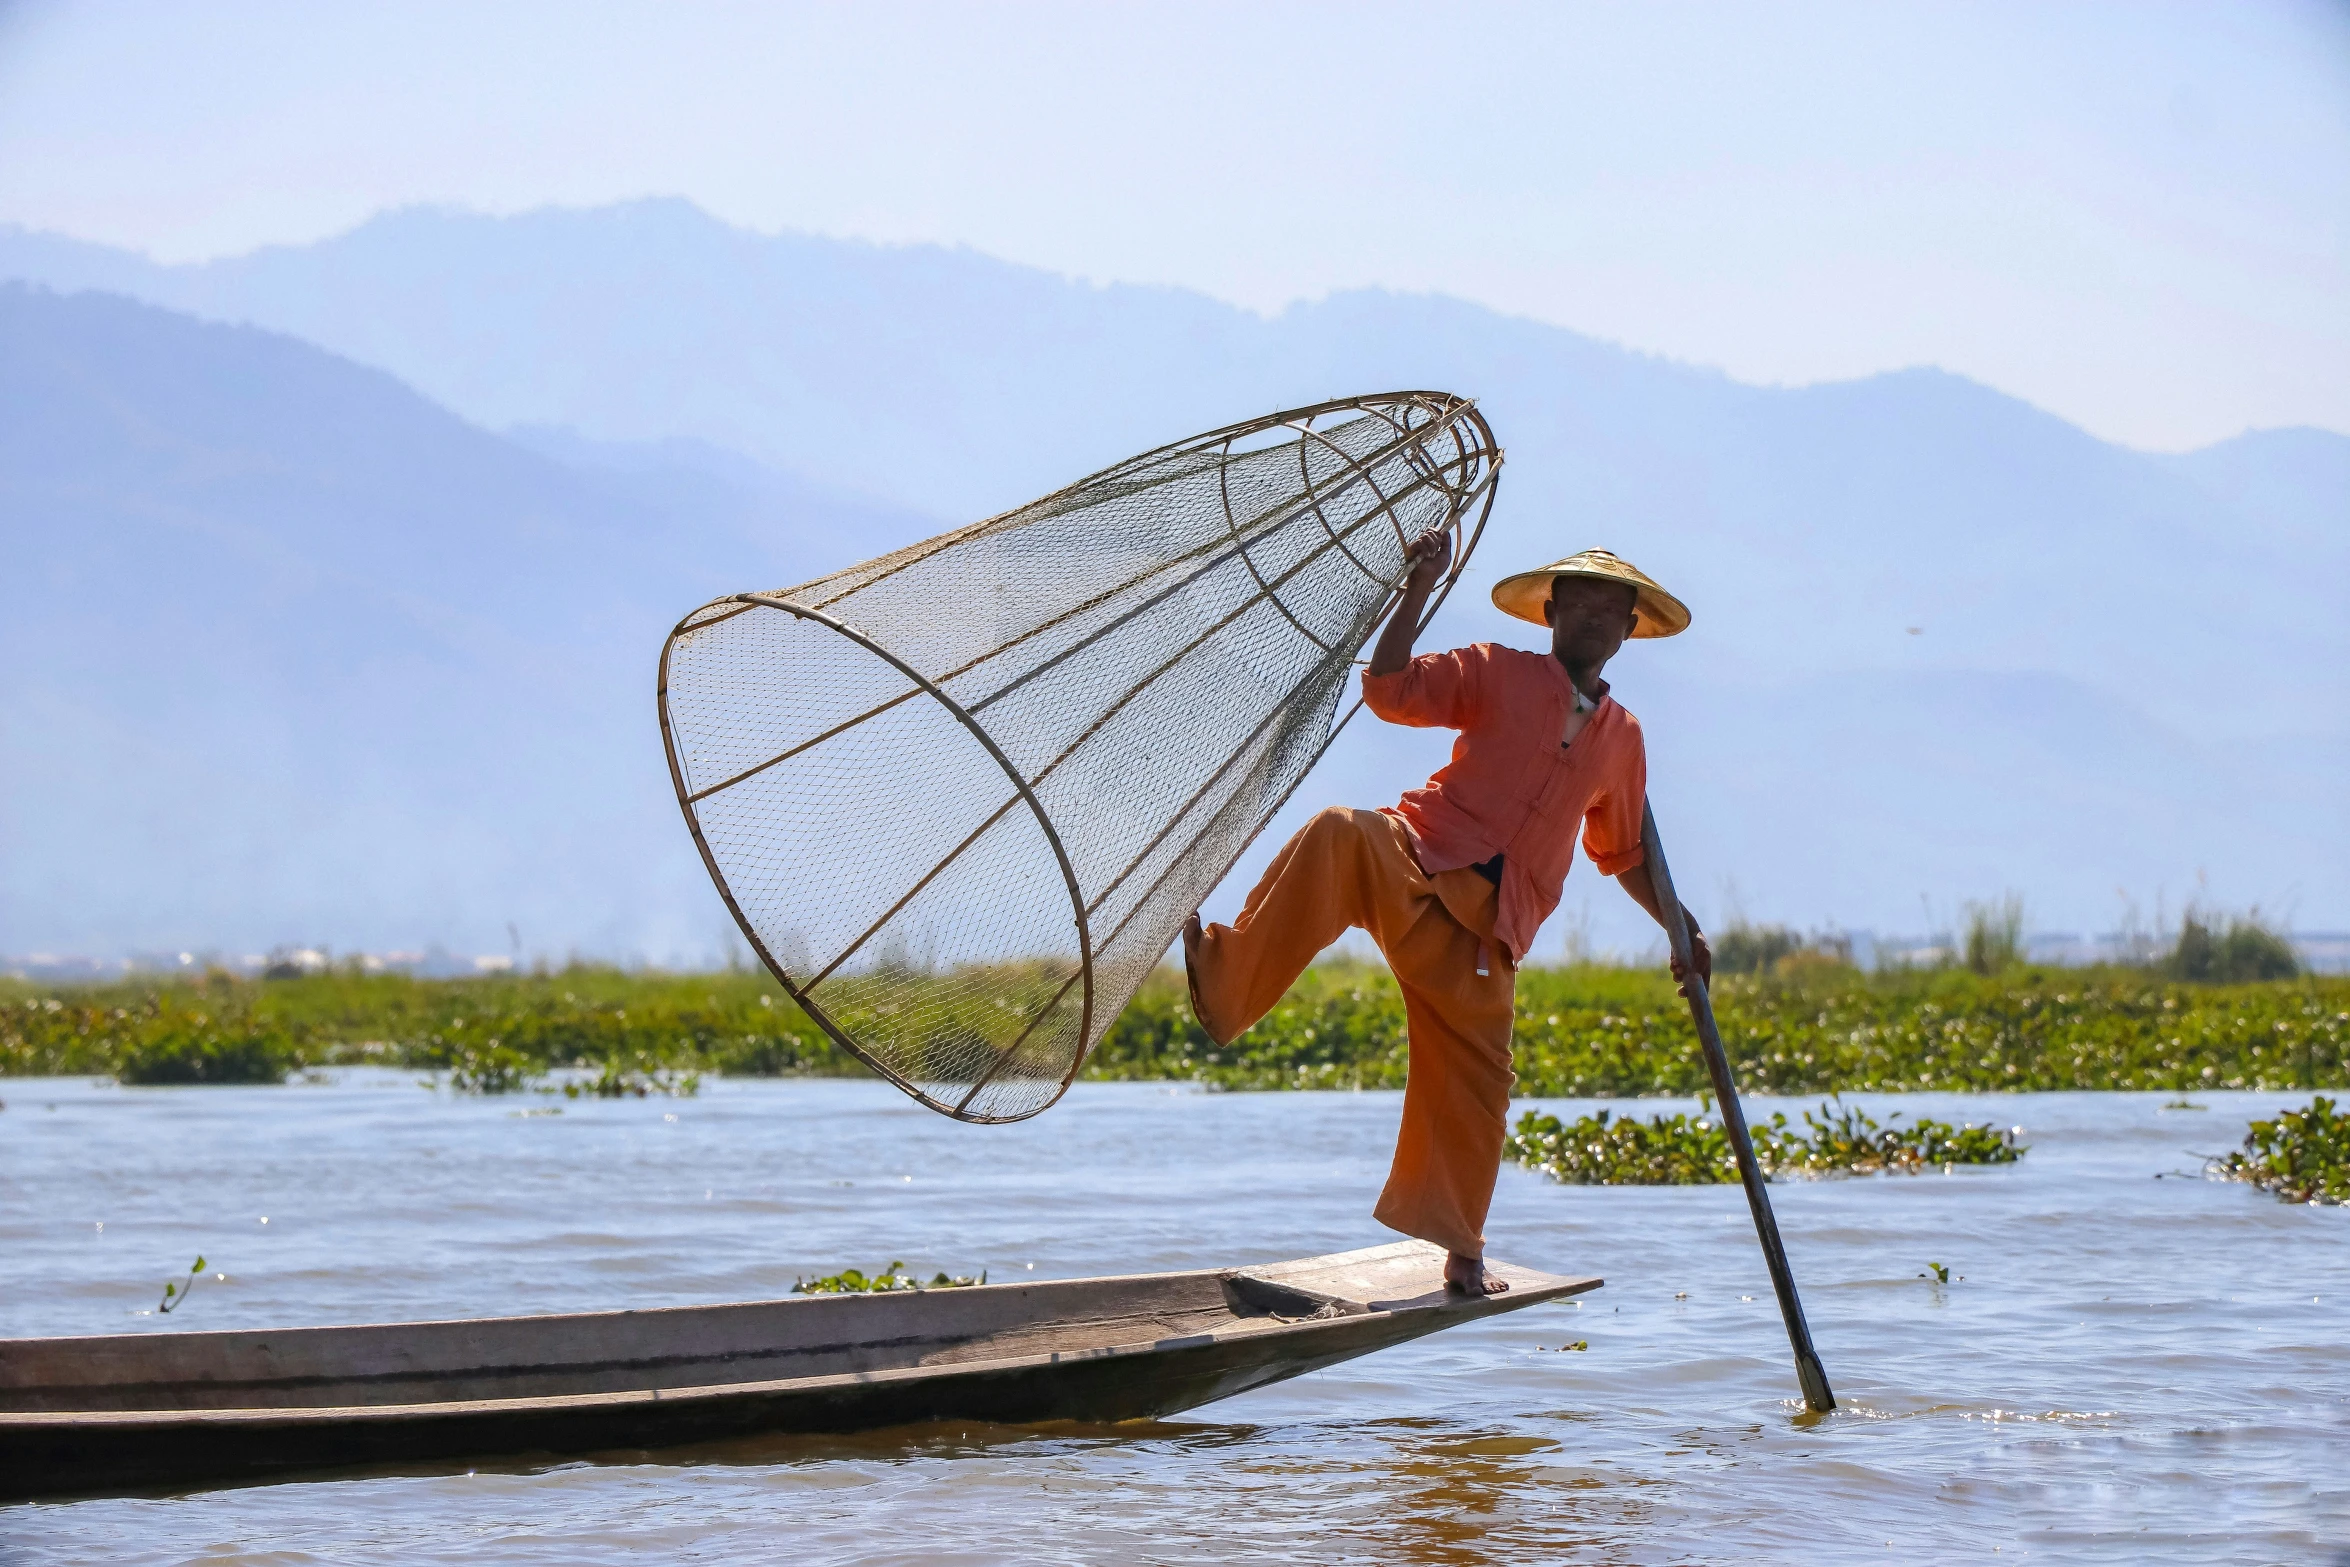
{"x":962,"y":797}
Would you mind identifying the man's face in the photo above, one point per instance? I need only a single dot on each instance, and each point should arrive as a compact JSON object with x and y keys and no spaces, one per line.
{"x":1589,"y":619}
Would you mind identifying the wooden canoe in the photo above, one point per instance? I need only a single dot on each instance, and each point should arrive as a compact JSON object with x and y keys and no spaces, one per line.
{"x":140,"y":1411}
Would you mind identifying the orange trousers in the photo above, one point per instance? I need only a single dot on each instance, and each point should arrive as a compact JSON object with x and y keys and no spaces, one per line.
{"x":1348,"y":868}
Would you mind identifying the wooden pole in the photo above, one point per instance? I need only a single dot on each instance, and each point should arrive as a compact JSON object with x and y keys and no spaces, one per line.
{"x":1808,"y":1370}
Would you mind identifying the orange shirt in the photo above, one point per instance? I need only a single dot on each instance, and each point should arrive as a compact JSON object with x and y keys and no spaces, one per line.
{"x":1511,"y":788}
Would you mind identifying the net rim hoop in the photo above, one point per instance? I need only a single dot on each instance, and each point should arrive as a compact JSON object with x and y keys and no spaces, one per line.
{"x":1443,"y":406}
{"x":839,"y":1035}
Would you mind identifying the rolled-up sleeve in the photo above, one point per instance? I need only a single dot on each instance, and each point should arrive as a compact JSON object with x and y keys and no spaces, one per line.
{"x":1433,"y":691}
{"x":1611,"y":823}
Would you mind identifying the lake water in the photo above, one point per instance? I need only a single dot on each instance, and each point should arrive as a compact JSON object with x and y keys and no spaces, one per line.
{"x":2122,"y":1369}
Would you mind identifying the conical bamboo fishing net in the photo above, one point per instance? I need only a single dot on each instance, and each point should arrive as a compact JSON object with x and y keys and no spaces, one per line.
{"x":961,"y":798}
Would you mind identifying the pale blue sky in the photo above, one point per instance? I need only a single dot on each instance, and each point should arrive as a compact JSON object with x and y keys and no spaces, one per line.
{"x":2135,"y":215}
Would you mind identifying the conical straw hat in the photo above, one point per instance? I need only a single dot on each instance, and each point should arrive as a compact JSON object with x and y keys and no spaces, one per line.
{"x":1659,"y":613}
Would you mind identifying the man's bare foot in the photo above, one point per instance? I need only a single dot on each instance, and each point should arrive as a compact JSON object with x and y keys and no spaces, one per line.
{"x":1467,"y":1276}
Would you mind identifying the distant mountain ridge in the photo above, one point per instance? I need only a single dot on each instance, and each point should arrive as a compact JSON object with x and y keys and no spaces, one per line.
{"x":1812,"y":526}
{"x":2128,"y":668}
{"x":296,"y":655}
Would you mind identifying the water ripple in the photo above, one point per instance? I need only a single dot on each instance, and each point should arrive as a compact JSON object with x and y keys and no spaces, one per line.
{"x":2122,"y":1369}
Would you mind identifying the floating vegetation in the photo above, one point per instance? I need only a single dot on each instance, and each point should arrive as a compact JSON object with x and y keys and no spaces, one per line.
{"x":635,"y":1080}
{"x":1694,"y":1150}
{"x":1810,"y":1025}
{"x":881,"y":1282}
{"x":175,"y":1293}
{"x":227,"y":1055}
{"x":192,"y":1039}
{"x":2183,"y":1103}
{"x":1676,"y":1150}
{"x":2302,"y":1155}
{"x":491,"y":1068}
{"x":634,"y":1032}
{"x":1847,"y":1140}
{"x":1817,"y":1029}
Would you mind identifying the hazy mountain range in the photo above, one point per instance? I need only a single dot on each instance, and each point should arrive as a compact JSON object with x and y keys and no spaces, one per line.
{"x":347,"y":635}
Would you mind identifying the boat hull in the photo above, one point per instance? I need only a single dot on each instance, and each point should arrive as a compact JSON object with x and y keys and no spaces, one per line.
{"x":1278,"y":1322}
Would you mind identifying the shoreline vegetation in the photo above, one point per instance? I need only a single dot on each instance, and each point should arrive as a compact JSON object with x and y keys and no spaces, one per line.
{"x":1587,"y":1031}
{"x":1799,"y":1022}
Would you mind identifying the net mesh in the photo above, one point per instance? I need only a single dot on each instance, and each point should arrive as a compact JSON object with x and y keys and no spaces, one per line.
{"x":961,"y":798}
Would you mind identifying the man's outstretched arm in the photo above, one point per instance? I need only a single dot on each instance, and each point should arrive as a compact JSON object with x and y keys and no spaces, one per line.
{"x":1643,"y":890}
{"x":1429,"y":554}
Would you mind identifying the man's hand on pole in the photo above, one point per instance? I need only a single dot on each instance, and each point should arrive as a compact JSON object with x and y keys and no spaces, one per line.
{"x":1642,"y":887}
{"x":1698,"y":949}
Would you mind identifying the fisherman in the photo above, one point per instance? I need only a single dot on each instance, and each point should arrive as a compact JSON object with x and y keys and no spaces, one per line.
{"x":1453,"y":881}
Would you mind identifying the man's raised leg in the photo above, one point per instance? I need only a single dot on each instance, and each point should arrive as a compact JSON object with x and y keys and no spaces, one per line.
{"x":1323,"y":881}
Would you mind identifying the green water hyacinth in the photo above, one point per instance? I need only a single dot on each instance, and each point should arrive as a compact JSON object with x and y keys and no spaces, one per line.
{"x":1581,"y":1032}
{"x":185,"y":1045}
{"x":1694,"y":1150}
{"x":1604,"y":1150}
{"x":2302,"y":1155}
{"x":882,"y":1281}
{"x":631,"y":1032}
{"x":1597,"y":1032}
{"x":489,"y":1067}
